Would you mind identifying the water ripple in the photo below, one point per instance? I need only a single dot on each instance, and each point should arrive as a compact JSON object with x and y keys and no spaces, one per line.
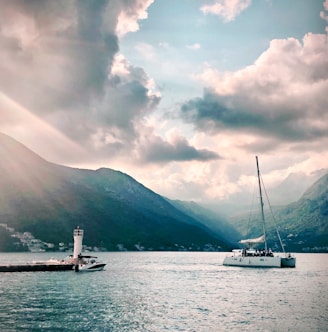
{"x":168,"y":292}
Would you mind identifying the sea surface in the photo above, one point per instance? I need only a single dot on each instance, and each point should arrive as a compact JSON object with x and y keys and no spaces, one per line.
{"x":166,"y":291}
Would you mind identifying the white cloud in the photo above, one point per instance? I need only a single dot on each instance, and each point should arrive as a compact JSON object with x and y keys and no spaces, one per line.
{"x":195,"y":46}
{"x":147,"y":51}
{"x":325,"y":5}
{"x":323,"y":14}
{"x":227,"y":9}
{"x":130,"y":15}
{"x":282,"y":94}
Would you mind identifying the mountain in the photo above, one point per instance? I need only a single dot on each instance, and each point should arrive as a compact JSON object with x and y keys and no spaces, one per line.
{"x":294,"y":186}
{"x":209,"y":219}
{"x":288,"y":191}
{"x":116,"y":211}
{"x":303,"y":225}
{"x":306,"y":221}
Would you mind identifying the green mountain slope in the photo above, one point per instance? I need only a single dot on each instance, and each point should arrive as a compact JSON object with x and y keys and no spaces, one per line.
{"x":209,"y":219}
{"x":303,"y":225}
{"x":50,"y":200}
{"x":306,"y":221}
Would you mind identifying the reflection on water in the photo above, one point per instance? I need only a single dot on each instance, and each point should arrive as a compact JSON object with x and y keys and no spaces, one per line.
{"x":166,"y":292}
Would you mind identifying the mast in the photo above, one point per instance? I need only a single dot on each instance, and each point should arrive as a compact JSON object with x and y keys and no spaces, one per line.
{"x":261,"y":202}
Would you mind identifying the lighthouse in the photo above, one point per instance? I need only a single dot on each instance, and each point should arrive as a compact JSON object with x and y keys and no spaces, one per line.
{"x":78,"y":238}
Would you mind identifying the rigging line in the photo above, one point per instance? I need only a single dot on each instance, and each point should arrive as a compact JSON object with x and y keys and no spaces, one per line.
{"x":273,"y":217}
{"x":259,"y":176}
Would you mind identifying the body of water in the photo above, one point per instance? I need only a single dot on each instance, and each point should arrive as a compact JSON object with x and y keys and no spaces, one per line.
{"x":166,"y":291}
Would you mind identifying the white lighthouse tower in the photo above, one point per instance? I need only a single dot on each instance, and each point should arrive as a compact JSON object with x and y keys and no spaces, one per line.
{"x":78,"y":238}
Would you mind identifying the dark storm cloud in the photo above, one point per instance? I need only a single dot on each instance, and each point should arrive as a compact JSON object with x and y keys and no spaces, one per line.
{"x":281,"y":97}
{"x":57,"y":60}
{"x":62,"y":52}
{"x":95,"y":54}
{"x":210,"y":112}
{"x":127,"y":99}
{"x":179,"y":149}
{"x":214,"y":113}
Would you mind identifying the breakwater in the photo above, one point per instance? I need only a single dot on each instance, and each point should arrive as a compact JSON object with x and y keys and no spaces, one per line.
{"x":35,"y":267}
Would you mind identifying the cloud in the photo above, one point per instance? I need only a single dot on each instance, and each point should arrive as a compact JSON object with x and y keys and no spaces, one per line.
{"x":282,"y":95}
{"x":129,"y":96}
{"x":176,"y":148}
{"x":56,"y":56}
{"x":130,"y":14}
{"x":227,"y":9}
{"x":195,"y":46}
{"x":60,"y":60}
{"x":146,"y":51}
{"x":324,"y":14}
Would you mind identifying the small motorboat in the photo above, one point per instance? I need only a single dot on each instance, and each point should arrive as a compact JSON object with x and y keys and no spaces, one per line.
{"x":82,"y":262}
{"x":88,"y":263}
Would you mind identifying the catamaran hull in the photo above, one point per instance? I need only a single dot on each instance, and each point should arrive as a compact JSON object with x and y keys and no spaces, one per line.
{"x":288,"y":262}
{"x":248,"y":261}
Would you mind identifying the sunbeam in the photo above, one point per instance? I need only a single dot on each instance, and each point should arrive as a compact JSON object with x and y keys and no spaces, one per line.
{"x":22,"y":124}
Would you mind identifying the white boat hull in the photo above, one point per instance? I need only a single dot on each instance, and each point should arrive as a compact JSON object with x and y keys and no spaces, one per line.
{"x":249,"y":261}
{"x":89,"y":267}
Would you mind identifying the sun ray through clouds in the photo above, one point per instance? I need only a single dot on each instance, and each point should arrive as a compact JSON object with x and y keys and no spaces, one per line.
{"x":23,"y":125}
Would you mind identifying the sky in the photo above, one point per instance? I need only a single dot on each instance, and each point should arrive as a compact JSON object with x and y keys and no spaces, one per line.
{"x":181,"y":95}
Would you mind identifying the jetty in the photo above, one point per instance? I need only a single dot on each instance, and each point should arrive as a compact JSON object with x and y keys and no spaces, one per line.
{"x":76,"y":262}
{"x":37,"y":267}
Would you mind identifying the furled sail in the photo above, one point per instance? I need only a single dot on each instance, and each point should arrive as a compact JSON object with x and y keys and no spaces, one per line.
{"x":257,"y":240}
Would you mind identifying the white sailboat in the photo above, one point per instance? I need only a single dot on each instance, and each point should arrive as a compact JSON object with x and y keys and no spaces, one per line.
{"x":252,"y":257}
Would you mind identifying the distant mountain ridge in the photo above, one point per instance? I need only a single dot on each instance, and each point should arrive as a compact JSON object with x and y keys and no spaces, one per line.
{"x":209,"y":219}
{"x":303,"y":224}
{"x":294,"y":186}
{"x":115,"y":210}
{"x":288,"y":191}
{"x":306,"y":220}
